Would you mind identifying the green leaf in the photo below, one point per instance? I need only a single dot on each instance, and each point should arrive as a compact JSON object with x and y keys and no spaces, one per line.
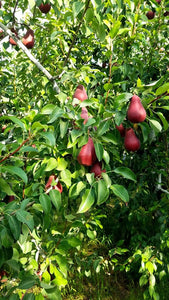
{"x":162,"y":89}
{"x":77,"y":7}
{"x":108,"y":86}
{"x":121,"y":192}
{"x":150,"y":267}
{"x":155,"y":125}
{"x":44,"y":200}
{"x":5,"y":187}
{"x":103,"y":127}
{"x":87,"y":201}
{"x":66,"y":177}
{"x":48,"y":109}
{"x":49,"y":136}
{"x":143,"y":280}
{"x":62,"y":164}
{"x":16,"y":171}
{"x":51,"y":164}
{"x":26,"y":218}
{"x":15,"y":226}
{"x":56,"y":113}
{"x":163,"y":119}
{"x":27,"y":283}
{"x":31,"y":3}
{"x":76,"y":189}
{"x":101,"y":33}
{"x":126,"y":173}
{"x":5,"y":238}
{"x":63,"y":128}
{"x":115,"y":29}
{"x":99,"y":150}
{"x":16,"y":121}
{"x":55,"y":196}
{"x":145,"y":131}
{"x":110,"y":138}
{"x":102,"y":191}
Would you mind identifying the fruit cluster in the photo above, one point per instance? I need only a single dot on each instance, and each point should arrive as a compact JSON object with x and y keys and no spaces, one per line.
{"x":87,"y":155}
{"x":28,"y":39}
{"x":151,"y":13}
{"x":135,"y":114}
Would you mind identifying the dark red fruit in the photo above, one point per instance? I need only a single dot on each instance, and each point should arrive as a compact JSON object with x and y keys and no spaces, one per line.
{"x":121,"y":129}
{"x":150,"y":14}
{"x":0,"y":4}
{"x":80,"y":93}
{"x":11,"y":198}
{"x":45,"y":8}
{"x":84,"y":115}
{"x":87,"y":155}
{"x":166,"y":13}
{"x":28,"y":39}
{"x":136,"y":112}
{"x":51,"y":180}
{"x":97,"y":169}
{"x":131,"y":142}
{"x":12,"y":42}
{"x":158,"y":1}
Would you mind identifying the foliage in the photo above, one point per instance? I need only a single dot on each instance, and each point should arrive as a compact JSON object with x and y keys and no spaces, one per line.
{"x":115,"y":224}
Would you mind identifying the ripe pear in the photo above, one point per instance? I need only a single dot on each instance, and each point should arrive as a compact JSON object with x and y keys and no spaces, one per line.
{"x":0,"y":4}
{"x":84,"y":115}
{"x":166,"y":13}
{"x":97,"y":169}
{"x":12,"y":42}
{"x":136,"y":112}
{"x":50,"y":181}
{"x":80,"y":93}
{"x":158,"y":1}
{"x":28,"y":39}
{"x":45,"y":8}
{"x":131,"y":142}
{"x":121,"y":129}
{"x":87,"y":154}
{"x":150,"y":14}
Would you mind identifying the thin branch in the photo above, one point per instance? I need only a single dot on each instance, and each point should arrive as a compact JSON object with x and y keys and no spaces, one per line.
{"x":166,"y":93}
{"x":75,"y":35}
{"x":30,"y":56}
{"x":12,"y":153}
{"x":110,"y":67}
{"x":16,"y":4}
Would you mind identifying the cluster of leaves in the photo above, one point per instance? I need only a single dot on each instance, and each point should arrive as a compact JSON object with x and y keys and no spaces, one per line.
{"x":119,"y":221}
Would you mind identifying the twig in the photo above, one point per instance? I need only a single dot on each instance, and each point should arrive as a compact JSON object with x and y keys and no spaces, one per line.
{"x":15,"y":11}
{"x":76,"y":32}
{"x":12,"y":153}
{"x":158,"y":98}
{"x":30,"y":56}
{"x":110,"y":67}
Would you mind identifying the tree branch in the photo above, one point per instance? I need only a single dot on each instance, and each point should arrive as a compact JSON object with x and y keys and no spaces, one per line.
{"x":30,"y":56}
{"x":166,"y":93}
{"x":75,"y":35}
{"x":10,"y":154}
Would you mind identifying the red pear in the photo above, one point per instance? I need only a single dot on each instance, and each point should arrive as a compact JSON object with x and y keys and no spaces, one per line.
{"x":158,"y":1}
{"x":84,"y":115}
{"x":11,"y":198}
{"x":80,"y":93}
{"x":166,"y":13}
{"x":150,"y":14}
{"x":0,"y":4}
{"x":87,"y":155}
{"x":136,"y":112}
{"x":121,"y":129}
{"x":50,"y":184}
{"x":1,"y":34}
{"x":45,"y":8}
{"x":12,"y":42}
{"x":131,"y":142}
{"x":97,"y":169}
{"x":28,"y":39}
